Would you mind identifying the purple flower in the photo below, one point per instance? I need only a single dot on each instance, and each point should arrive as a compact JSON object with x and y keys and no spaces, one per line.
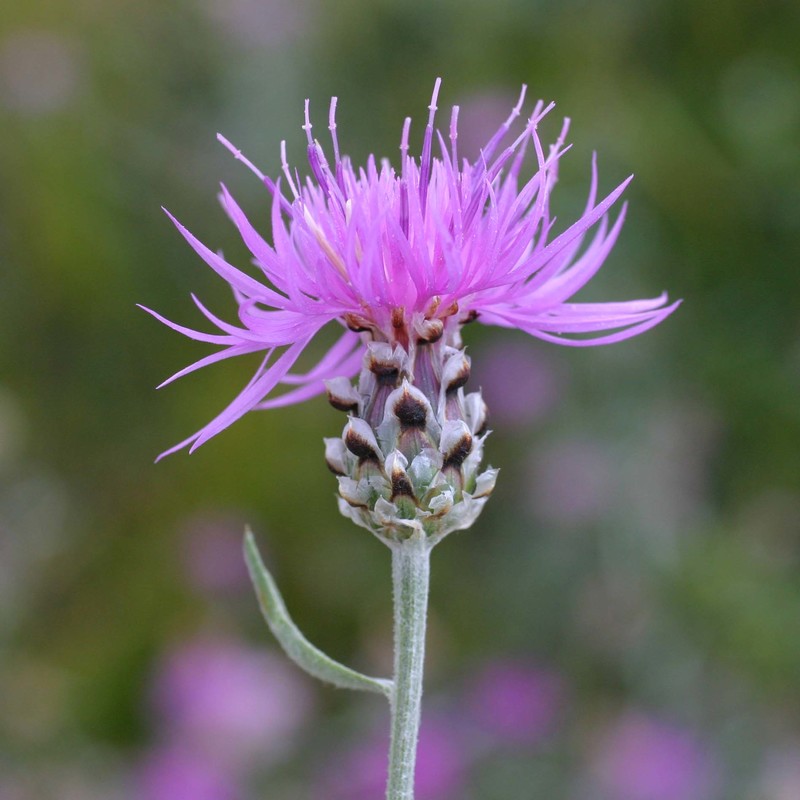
{"x":516,"y":703}
{"x":644,"y":759}
{"x":233,"y":704}
{"x":519,"y":384}
{"x":571,"y":481}
{"x":781,"y":778}
{"x":405,"y":256}
{"x":212,"y":552}
{"x":440,"y":769}
{"x":174,"y":773}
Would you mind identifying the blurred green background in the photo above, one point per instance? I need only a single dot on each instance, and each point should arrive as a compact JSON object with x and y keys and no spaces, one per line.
{"x":634,"y":582}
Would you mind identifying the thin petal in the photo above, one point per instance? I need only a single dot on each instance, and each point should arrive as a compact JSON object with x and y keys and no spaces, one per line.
{"x":537,"y":262}
{"x":634,"y":330}
{"x":221,"y":355}
{"x":199,"y":336}
{"x":347,"y":369}
{"x":244,"y":283}
{"x":330,"y":361}
{"x":247,"y":399}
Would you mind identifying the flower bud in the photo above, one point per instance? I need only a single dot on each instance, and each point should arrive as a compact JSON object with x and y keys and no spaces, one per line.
{"x":475,"y":412}
{"x":456,"y":371}
{"x":396,"y":464}
{"x":429,"y":482}
{"x":382,"y":372}
{"x":336,"y":456}
{"x":361,"y":442}
{"x":428,"y":331}
{"x":342,"y":395}
{"x":409,"y":424}
{"x":484,"y":485}
{"x":456,"y":443}
{"x":455,"y":374}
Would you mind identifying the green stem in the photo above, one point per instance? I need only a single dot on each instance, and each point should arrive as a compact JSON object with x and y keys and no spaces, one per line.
{"x":411,"y":577}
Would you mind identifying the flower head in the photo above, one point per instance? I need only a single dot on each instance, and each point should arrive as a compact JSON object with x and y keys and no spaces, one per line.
{"x":176,"y":773}
{"x":645,"y":759}
{"x":516,"y":703}
{"x":231,"y":704}
{"x":408,"y":256}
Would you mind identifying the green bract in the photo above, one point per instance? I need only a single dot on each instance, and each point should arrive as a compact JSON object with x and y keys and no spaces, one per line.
{"x":409,"y":458}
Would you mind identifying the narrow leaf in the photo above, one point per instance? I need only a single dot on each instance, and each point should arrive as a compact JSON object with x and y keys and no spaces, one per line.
{"x":296,"y":646}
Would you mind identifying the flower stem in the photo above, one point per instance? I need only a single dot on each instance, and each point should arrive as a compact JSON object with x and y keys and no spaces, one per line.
{"x":411,"y":577}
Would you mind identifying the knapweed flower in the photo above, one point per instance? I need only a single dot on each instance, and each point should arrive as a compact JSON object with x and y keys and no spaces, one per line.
{"x":516,"y":703}
{"x":400,"y":260}
{"x":522,"y":385}
{"x":173,"y":772}
{"x":641,"y":758}
{"x":233,"y":705}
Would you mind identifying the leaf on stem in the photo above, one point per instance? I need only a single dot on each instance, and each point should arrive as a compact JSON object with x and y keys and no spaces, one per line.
{"x":296,"y":646}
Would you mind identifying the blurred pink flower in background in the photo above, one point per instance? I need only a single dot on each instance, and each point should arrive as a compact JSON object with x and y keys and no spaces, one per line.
{"x":519,"y":382}
{"x":641,"y":758}
{"x":261,"y":23}
{"x":40,"y":71}
{"x":781,"y":778}
{"x":176,"y":773}
{"x":515,"y":702}
{"x":212,"y":552}
{"x":478,"y":115}
{"x":441,"y":769}
{"x":571,"y":481}
{"x":9,"y":791}
{"x":670,"y":478}
{"x":230,"y":703}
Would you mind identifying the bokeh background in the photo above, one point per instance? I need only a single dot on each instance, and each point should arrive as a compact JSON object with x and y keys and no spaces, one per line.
{"x":624,"y":621}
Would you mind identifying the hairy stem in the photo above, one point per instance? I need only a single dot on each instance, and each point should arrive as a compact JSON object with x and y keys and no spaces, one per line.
{"x":410,"y":575}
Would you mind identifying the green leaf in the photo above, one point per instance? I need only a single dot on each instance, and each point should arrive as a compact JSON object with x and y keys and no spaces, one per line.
{"x":296,"y":646}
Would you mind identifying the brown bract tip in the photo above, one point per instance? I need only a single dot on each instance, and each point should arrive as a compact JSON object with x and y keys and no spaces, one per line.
{"x":359,"y":446}
{"x":410,"y":411}
{"x":458,"y":453}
